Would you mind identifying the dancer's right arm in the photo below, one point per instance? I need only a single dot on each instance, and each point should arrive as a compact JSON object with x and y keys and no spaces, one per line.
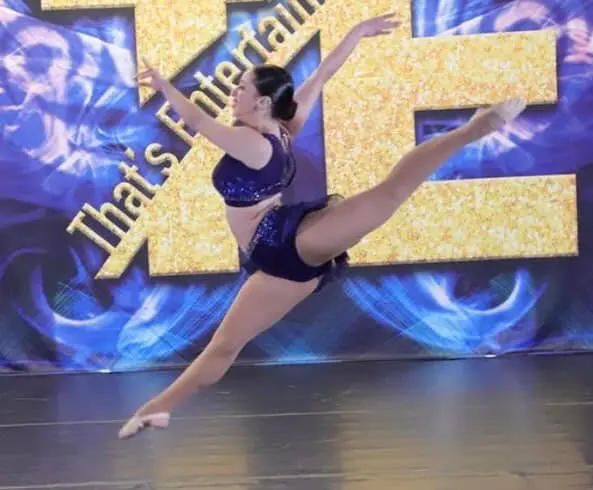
{"x":242,"y":142}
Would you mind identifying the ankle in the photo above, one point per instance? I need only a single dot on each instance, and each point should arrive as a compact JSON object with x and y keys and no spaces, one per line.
{"x":151,"y":408}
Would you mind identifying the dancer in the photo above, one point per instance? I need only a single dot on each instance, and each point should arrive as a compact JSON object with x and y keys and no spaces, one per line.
{"x":292,"y":250}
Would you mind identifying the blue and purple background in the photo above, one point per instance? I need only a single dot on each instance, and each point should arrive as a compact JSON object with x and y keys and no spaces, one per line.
{"x":68,"y":107}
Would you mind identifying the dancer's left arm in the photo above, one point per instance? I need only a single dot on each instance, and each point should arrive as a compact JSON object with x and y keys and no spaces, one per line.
{"x":307,"y":94}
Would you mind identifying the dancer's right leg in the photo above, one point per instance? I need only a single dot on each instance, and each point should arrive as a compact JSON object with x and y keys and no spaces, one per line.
{"x":326,"y":233}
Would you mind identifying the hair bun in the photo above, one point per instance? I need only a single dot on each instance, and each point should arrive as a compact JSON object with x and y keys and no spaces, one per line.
{"x":275,"y":82}
{"x":285,"y":111}
{"x":291,"y":111}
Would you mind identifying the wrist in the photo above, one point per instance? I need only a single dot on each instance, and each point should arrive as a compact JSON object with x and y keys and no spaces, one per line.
{"x":468,"y":132}
{"x":165,"y":86}
{"x":357,"y":32}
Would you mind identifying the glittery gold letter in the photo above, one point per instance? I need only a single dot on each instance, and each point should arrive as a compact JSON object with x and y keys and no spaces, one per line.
{"x":227,"y":73}
{"x":77,"y":225}
{"x":384,"y":82}
{"x":443,"y":221}
{"x":178,"y":127}
{"x":153,"y":159}
{"x":277,"y":35}
{"x":248,"y":39}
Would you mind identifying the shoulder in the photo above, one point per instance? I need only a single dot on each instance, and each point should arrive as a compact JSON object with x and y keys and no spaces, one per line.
{"x":249,"y":146}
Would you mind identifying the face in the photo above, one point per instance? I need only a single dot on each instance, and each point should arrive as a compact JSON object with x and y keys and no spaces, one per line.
{"x":244,"y":97}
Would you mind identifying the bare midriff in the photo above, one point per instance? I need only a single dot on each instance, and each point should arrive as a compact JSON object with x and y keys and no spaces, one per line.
{"x":244,"y":221}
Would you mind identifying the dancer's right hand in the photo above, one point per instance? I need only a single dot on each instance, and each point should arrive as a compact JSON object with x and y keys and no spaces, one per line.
{"x":150,"y":77}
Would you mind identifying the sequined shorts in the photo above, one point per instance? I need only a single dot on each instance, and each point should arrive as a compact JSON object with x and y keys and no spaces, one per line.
{"x":273,"y":246}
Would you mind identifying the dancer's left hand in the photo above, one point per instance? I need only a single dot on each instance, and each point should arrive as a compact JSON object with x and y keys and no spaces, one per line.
{"x":378,"y":26}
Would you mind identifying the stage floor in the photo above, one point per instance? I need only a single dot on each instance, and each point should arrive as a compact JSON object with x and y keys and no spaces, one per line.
{"x":521,"y":423}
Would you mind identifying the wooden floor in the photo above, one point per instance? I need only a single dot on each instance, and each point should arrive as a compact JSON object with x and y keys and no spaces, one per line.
{"x":514,"y":424}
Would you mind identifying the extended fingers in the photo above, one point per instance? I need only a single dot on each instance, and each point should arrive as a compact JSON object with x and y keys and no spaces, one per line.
{"x":391,"y":23}
{"x":386,"y":22}
{"x":146,"y":64}
{"x":142,"y":74}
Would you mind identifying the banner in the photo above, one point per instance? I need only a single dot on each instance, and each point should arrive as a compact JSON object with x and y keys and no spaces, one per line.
{"x":114,"y":251}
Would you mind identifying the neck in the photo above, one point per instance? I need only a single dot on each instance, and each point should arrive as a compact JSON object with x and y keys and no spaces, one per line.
{"x":261,"y":125}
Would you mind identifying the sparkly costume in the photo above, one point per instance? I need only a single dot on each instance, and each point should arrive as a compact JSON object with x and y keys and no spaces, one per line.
{"x":272,"y":248}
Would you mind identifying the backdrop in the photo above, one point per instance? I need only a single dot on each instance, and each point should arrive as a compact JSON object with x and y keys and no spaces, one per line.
{"x":113,"y":249}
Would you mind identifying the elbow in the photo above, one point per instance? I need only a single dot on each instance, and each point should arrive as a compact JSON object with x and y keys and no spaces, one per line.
{"x":194,"y":120}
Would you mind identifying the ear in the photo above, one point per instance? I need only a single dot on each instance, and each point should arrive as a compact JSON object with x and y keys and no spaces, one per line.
{"x":264,"y":103}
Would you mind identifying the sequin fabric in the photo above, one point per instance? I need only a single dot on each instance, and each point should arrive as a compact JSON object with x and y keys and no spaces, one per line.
{"x":272,"y":249}
{"x":241,"y":186}
{"x":273,"y":246}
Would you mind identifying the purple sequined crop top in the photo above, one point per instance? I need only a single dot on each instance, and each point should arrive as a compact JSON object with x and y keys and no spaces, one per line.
{"x":241,"y":186}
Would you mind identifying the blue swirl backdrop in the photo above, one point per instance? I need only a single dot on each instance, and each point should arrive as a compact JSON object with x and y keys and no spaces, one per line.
{"x":68,"y":107}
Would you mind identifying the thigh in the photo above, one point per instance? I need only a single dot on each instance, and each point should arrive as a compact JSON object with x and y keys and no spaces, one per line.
{"x":260,"y":304}
{"x":326,"y":233}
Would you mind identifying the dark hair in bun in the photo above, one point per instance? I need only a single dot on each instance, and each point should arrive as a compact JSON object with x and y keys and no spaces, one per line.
{"x":275,"y":82}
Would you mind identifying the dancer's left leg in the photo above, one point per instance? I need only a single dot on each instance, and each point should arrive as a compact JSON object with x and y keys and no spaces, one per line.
{"x":261,"y":303}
